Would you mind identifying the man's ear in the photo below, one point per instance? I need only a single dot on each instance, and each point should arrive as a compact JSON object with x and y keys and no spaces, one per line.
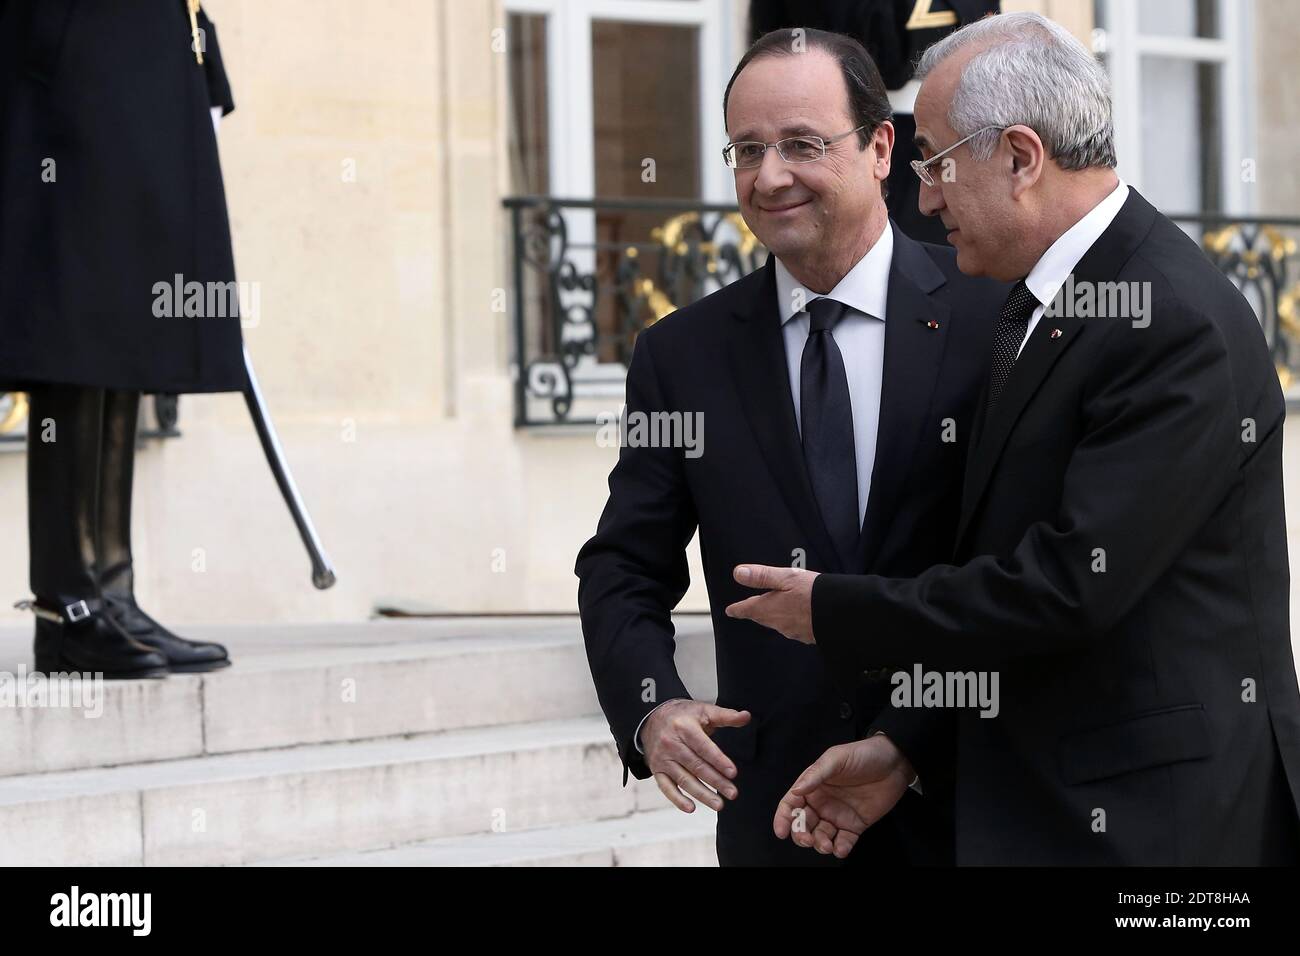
{"x":882,"y":146}
{"x":1026,"y":155}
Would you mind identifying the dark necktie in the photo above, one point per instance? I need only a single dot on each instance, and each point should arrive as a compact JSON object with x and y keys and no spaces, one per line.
{"x":827,"y":428}
{"x":1008,"y":335}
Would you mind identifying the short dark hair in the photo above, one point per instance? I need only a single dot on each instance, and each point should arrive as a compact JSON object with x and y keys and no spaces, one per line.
{"x":868,"y":98}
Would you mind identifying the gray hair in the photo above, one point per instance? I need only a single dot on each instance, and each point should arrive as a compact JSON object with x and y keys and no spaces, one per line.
{"x":1033,"y":73}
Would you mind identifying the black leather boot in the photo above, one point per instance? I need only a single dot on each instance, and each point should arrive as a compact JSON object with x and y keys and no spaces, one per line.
{"x":63,"y":457}
{"x":114,"y":564}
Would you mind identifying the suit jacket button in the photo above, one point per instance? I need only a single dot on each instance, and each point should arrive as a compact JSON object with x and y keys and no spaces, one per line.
{"x":846,"y":710}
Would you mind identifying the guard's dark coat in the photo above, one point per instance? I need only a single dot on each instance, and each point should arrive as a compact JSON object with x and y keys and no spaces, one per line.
{"x":895,"y":32}
{"x":112,"y":94}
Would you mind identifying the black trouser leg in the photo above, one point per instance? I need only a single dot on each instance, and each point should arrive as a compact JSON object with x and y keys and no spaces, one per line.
{"x":117,"y":473}
{"x":63,"y":435}
{"x":63,"y":482}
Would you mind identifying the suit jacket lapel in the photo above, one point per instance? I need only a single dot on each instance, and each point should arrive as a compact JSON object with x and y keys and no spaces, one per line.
{"x":1051,"y":337}
{"x":758,"y":364}
{"x":913,"y":356}
{"x":1040,"y":354}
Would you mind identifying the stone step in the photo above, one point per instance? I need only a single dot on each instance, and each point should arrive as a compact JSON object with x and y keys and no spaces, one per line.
{"x":653,"y":838}
{"x":312,"y":684}
{"x":319,"y":799}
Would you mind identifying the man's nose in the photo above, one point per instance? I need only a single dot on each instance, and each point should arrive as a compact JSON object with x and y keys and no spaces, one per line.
{"x":773,"y":172}
{"x":930,"y":199}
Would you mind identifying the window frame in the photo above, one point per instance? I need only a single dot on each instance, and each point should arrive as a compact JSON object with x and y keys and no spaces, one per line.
{"x":1124,"y":45}
{"x":571,"y":125}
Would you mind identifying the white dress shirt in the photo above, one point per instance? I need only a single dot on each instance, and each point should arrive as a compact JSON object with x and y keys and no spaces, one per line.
{"x":860,"y":336}
{"x":1056,"y":264}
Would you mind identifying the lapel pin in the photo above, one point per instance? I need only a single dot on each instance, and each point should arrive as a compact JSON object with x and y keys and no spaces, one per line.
{"x":932,"y":324}
{"x":1056,"y":333}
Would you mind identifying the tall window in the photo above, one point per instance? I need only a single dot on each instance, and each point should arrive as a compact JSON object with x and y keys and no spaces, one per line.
{"x":1183,"y":118}
{"x":597,"y":86}
{"x":528,"y":121}
{"x":613,"y":99}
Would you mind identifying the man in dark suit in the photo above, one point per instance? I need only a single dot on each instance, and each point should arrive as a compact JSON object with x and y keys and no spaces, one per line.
{"x":1121,"y":560}
{"x":835,"y":386}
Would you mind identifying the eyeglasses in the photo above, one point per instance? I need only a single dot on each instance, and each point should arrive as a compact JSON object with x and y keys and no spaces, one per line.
{"x":922,"y":167}
{"x":796,"y":149}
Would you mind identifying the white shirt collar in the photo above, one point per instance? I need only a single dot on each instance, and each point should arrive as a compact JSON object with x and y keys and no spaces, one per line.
{"x":864,"y":289}
{"x":1056,"y":264}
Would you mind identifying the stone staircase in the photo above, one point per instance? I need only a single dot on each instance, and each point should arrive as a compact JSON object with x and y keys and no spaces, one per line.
{"x":453,"y":741}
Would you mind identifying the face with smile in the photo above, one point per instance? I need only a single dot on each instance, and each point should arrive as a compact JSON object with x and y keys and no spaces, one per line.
{"x":806,"y":211}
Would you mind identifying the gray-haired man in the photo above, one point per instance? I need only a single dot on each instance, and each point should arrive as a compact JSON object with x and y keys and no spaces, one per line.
{"x":1121,"y":558}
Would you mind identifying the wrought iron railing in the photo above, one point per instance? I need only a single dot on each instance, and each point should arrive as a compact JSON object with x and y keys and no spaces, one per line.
{"x":1260,"y":255}
{"x":588,"y":275}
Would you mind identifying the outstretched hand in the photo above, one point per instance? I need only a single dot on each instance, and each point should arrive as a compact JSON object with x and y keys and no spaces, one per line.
{"x":682,"y":756}
{"x":787,"y":605}
{"x":848,"y":789}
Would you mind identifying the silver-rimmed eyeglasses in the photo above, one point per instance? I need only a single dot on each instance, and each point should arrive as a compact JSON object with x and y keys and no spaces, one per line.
{"x":922,"y":166}
{"x":793,"y":149}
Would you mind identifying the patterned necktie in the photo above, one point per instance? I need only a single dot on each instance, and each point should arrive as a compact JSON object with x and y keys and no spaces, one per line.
{"x":1008,"y":335}
{"x":827,"y":427}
